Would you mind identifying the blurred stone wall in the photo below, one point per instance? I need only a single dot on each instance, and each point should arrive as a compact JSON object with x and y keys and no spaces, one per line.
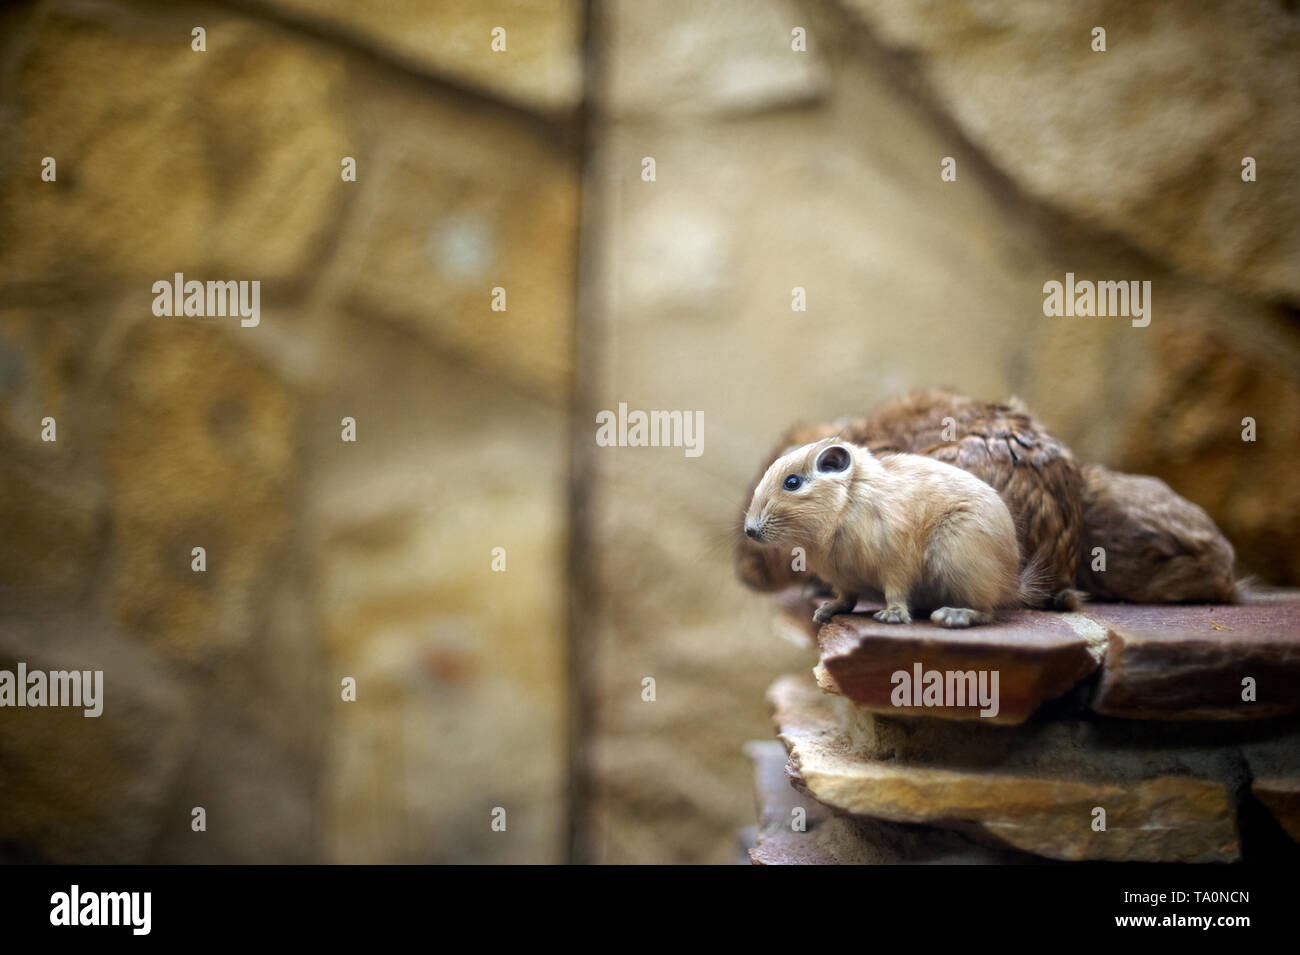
{"x":325,"y":559}
{"x":777,"y":169}
{"x":774,"y":169}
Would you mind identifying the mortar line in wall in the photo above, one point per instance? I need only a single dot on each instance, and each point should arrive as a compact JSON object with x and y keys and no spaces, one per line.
{"x":554,"y":127}
{"x":581,"y":627}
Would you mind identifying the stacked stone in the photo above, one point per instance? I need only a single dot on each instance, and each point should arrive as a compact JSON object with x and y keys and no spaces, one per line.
{"x":1120,"y":733}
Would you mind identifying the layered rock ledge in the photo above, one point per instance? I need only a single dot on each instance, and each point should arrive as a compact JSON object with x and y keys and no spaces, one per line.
{"x":1039,"y":788}
{"x":827,"y":838}
{"x":1158,"y":662}
{"x":1201,"y":662}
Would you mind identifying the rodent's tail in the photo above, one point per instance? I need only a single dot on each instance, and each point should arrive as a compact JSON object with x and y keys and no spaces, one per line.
{"x":1036,"y":583}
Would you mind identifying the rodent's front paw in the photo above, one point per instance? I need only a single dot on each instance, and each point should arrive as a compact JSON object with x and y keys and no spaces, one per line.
{"x":893,"y":615}
{"x":824,"y":613}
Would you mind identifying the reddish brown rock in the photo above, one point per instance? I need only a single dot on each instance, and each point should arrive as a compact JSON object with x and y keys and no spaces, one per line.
{"x":1191,"y":662}
{"x":1037,"y":657}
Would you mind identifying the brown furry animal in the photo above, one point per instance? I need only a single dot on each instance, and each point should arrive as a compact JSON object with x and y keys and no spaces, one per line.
{"x":1158,"y":547}
{"x":925,"y":534}
{"x":1001,"y":444}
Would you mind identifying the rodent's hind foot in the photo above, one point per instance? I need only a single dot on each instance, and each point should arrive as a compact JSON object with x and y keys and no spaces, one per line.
{"x":824,"y":613}
{"x":893,"y":615}
{"x":843,"y":603}
{"x":956,"y":617}
{"x":1068,"y":599}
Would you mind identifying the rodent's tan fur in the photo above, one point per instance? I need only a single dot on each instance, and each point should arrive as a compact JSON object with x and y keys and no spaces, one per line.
{"x":1001,"y":443}
{"x":926,"y":535}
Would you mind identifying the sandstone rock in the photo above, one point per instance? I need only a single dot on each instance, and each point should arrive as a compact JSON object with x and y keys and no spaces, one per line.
{"x":204,"y":162}
{"x":541,"y":67}
{"x":46,"y":346}
{"x":263,"y":742}
{"x":202,"y":451}
{"x":459,"y":668}
{"x":1037,"y":656}
{"x":724,"y":57}
{"x":324,"y":559}
{"x":910,"y":282}
{"x":465,"y":201}
{"x":52,"y":495}
{"x":261,"y":800}
{"x":1186,"y":423}
{"x":77,"y":789}
{"x":832,"y":839}
{"x":1188,"y":662}
{"x":1032,"y":788}
{"x":52,"y":523}
{"x":1164,"y":167}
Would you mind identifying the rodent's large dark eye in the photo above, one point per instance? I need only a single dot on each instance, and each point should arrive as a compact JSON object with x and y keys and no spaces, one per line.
{"x":792,"y":482}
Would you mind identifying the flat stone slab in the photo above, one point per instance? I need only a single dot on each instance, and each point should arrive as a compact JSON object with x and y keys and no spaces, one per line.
{"x":831,"y":839}
{"x":1170,"y":662}
{"x":1155,"y":661}
{"x":1034,"y":788}
{"x":1036,"y":657}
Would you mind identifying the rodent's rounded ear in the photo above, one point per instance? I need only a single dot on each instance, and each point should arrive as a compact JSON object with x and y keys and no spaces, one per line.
{"x":833,"y":459}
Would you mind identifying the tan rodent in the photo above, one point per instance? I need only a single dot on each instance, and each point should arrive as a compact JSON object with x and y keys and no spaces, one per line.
{"x":924,"y":534}
{"x":1000,"y":443}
